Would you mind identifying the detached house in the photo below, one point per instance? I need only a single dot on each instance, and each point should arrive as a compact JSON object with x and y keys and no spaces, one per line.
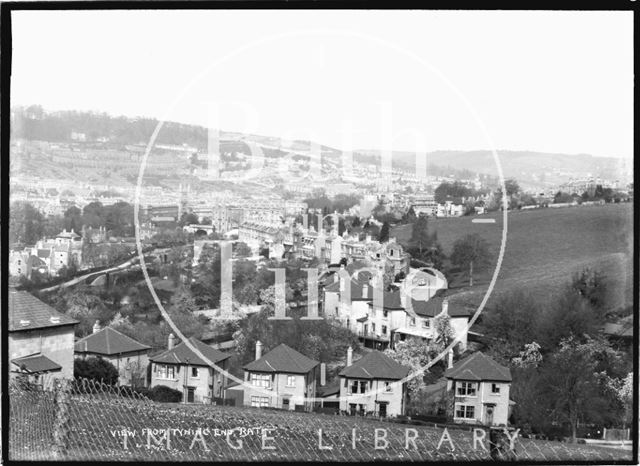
{"x":182,"y":369}
{"x":478,"y":389}
{"x":283,"y":378}
{"x":40,"y":338}
{"x":126,"y":354}
{"x":373,"y":384}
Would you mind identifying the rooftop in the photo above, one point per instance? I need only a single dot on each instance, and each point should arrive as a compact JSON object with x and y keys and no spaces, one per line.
{"x":282,"y":358}
{"x":182,"y":354}
{"x":375,"y":365}
{"x":108,"y":341}
{"x":478,"y":366}
{"x":26,"y":312}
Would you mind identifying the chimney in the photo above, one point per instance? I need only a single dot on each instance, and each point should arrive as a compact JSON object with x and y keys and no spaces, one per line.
{"x":445,"y":306}
{"x":171,"y":341}
{"x":323,"y":374}
{"x":96,"y":327}
{"x":258,"y":350}
{"x":349,"y":356}
{"x":450,"y":363}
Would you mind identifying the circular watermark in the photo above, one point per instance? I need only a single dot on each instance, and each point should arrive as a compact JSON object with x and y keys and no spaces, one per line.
{"x":315,"y":154}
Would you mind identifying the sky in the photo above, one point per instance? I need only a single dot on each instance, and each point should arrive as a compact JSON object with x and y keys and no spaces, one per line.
{"x":559,"y":82}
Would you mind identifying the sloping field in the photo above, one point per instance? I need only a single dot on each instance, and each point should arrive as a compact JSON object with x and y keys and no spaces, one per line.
{"x":545,"y":247}
{"x":98,"y":427}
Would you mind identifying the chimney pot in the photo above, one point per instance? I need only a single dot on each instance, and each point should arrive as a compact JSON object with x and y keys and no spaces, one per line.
{"x":450,"y":364}
{"x":258,"y":350}
{"x":349,"y":356}
{"x":96,"y":327}
{"x":171,"y":341}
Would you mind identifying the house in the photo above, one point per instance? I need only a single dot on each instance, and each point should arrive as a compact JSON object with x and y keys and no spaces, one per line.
{"x":373,"y":384}
{"x":40,"y":338}
{"x":182,"y":369}
{"x":283,"y":378}
{"x":478,"y":391}
{"x":126,"y":354}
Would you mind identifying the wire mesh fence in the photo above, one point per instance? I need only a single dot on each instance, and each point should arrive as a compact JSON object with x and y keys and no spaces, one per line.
{"x":87,"y":420}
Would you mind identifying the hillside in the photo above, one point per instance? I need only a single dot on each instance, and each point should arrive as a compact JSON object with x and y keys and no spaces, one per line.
{"x":529,"y":168}
{"x":544,"y":248}
{"x":100,"y":131}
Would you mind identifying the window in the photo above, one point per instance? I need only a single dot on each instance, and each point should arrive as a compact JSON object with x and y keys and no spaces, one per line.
{"x":354,"y":386}
{"x":19,"y":262}
{"x":261,"y":380}
{"x":388,"y":387}
{"x":385,"y":313}
{"x":194,"y":372}
{"x":495,"y":388}
{"x":363,"y":386}
{"x":166,"y":372}
{"x":465,"y":411}
{"x":412,"y":321}
{"x":384,"y":329}
{"x":467,"y":389}
{"x":259,"y":401}
{"x":426,"y":323}
{"x":373,"y":328}
{"x":291,"y":381}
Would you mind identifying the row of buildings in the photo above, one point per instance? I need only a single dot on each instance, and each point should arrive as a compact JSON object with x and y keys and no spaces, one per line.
{"x":41,"y":343}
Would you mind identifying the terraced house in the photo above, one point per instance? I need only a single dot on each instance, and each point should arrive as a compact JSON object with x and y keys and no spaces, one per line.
{"x":182,"y":369}
{"x":282,"y":378}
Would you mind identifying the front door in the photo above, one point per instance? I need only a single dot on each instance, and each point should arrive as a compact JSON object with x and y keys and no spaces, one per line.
{"x":488,"y":414}
{"x":190,"y":394}
{"x":382,"y":410}
{"x":285,"y":403}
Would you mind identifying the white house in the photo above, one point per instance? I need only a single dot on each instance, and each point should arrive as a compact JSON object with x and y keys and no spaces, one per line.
{"x":480,"y":388}
{"x":283,"y":378}
{"x":373,"y":384}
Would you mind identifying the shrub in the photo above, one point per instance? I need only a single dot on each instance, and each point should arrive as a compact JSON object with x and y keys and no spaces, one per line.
{"x":165,"y":394}
{"x":97,"y":369}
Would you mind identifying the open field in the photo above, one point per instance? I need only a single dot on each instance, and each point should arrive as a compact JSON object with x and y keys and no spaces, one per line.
{"x":98,"y":424}
{"x":545,"y":247}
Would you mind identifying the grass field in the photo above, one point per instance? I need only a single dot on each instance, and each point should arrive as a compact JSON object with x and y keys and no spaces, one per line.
{"x":544,"y":248}
{"x":96,"y":426}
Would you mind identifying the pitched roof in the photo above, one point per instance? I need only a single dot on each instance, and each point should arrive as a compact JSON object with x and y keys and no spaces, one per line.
{"x":375,"y":365}
{"x":44,"y":252}
{"x":68,"y":234}
{"x":181,"y":353}
{"x":282,"y":358}
{"x":36,"y":363}
{"x":108,"y":341}
{"x":478,"y":366}
{"x":26,"y":312}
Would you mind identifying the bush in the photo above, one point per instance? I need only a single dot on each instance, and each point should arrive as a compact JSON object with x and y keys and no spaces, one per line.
{"x":164,"y":394}
{"x":97,"y":369}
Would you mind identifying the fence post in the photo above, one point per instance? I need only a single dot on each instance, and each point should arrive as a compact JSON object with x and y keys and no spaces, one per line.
{"x":61,"y":426}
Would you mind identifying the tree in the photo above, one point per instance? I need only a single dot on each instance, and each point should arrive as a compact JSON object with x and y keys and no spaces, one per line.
{"x":444,"y":331}
{"x":510,"y":324}
{"x":562,"y":198}
{"x":181,"y":312}
{"x":383,"y":237}
{"x":573,"y":388}
{"x":242,"y":250}
{"x":410,"y":216}
{"x":470,"y":251}
{"x":73,"y":219}
{"x":97,"y":369}
{"x":188,"y":218}
{"x":26,"y":223}
{"x":93,"y":215}
{"x":420,"y":236}
{"x":591,"y":284}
